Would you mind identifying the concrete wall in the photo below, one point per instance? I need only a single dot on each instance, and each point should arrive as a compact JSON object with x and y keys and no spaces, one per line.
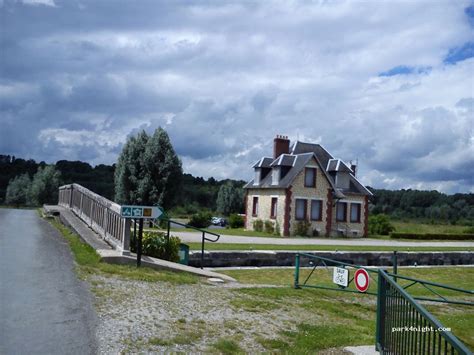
{"x":287,"y":258}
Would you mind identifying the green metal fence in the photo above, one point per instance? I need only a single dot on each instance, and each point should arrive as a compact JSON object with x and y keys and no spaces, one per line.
{"x":406,"y":327}
{"x":434,"y":289}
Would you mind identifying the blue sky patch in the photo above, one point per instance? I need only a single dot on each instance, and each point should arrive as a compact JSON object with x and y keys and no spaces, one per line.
{"x":405,"y":69}
{"x":458,"y":54}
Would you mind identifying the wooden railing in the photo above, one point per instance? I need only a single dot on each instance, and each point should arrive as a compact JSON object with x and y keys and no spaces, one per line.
{"x":102,"y":215}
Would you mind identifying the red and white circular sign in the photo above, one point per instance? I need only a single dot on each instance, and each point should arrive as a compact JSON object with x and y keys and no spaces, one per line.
{"x":361,"y":278}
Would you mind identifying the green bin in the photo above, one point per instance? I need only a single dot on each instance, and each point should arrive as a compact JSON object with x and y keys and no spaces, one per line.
{"x":183,"y":254}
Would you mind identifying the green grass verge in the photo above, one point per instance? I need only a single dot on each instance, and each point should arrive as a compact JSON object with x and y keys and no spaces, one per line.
{"x":227,"y":346}
{"x":416,"y":227}
{"x":349,"y":318}
{"x":88,"y":262}
{"x":247,"y":247}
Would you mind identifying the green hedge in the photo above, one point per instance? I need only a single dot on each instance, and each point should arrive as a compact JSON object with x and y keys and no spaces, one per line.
{"x":428,"y":236}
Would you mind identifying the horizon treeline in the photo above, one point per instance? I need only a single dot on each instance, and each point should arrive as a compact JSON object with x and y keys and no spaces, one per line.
{"x":197,"y":193}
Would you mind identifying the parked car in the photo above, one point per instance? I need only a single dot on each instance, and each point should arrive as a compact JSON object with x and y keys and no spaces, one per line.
{"x":219,"y":221}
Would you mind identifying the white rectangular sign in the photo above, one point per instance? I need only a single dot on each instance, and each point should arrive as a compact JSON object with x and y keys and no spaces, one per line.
{"x":151,"y":212}
{"x":340,"y":276}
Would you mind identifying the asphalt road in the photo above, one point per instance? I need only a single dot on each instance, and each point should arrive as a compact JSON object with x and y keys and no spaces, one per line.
{"x":190,"y":237}
{"x":44,"y":308}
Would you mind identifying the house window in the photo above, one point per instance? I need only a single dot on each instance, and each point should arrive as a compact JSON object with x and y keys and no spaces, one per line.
{"x":273,"y":212}
{"x":316,"y":210}
{"x":300,"y":210}
{"x":341,"y":208}
{"x":310,"y":177}
{"x":255,"y":206}
{"x":355,"y":212}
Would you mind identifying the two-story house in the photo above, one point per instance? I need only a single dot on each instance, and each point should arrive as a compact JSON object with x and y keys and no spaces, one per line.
{"x":303,"y":187}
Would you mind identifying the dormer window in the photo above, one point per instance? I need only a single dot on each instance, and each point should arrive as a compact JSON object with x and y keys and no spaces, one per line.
{"x":310,"y":177}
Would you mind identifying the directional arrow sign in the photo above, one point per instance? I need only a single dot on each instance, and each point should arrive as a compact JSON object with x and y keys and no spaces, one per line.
{"x":150,"y":212}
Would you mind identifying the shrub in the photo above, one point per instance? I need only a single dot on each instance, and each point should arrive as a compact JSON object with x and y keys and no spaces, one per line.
{"x":155,"y":244}
{"x":236,"y":221}
{"x":258,"y":225}
{"x":277,"y":229}
{"x":469,"y":230}
{"x":200,"y":220}
{"x":269,"y":227}
{"x":302,"y":228}
{"x":380,"y":225}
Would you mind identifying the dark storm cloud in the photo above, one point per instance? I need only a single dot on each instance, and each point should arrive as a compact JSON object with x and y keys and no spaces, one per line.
{"x":78,"y":77}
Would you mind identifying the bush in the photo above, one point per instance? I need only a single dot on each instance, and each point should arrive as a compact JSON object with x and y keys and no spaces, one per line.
{"x":258,"y":225}
{"x":156,"y":245}
{"x":380,"y":225}
{"x":468,"y":230}
{"x":277,"y":229}
{"x":236,"y":221}
{"x":200,"y":220}
{"x":302,"y":228}
{"x":430,"y":236}
{"x":269,"y":227}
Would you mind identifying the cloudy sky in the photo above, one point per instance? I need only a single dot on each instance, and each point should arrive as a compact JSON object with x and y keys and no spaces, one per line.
{"x":388,"y":83}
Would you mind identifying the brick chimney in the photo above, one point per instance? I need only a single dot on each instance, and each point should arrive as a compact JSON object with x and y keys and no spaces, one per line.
{"x":281,"y":145}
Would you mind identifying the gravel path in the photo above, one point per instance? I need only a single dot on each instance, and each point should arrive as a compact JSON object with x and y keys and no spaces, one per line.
{"x":160,"y":317}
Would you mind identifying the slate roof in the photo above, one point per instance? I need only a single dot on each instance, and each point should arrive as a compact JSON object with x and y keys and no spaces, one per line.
{"x":300,"y":154}
{"x":321,"y":153}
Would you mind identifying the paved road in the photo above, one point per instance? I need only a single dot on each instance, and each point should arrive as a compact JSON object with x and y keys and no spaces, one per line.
{"x":196,"y":237}
{"x":44,"y":308}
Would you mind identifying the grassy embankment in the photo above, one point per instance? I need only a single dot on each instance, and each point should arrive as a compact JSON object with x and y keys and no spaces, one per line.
{"x":88,"y":262}
{"x":345,"y":318}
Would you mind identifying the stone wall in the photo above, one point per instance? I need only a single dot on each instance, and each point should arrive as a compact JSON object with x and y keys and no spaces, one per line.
{"x":347,"y":228}
{"x":287,"y":258}
{"x":319,"y":193}
{"x":264,"y":206}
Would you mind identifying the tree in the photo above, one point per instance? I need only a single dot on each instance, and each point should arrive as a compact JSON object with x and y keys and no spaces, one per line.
{"x":148,"y":171}
{"x":17,"y":190}
{"x":229,"y":199}
{"x":44,"y":186}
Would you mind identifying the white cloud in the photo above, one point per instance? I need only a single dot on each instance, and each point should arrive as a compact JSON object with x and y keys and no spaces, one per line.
{"x":225,"y":78}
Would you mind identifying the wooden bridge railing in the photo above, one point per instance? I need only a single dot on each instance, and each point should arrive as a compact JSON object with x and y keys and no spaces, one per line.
{"x":102,"y":215}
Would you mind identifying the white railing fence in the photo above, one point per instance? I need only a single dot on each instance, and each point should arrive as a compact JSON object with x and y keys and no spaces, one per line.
{"x":101,"y":214}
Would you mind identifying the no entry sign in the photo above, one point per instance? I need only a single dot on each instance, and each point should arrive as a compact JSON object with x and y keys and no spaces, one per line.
{"x":361,"y":278}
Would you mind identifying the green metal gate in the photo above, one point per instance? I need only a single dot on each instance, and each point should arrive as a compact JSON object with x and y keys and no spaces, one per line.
{"x":405,"y":327}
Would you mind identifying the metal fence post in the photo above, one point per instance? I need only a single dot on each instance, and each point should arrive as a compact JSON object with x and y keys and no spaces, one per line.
{"x":380,"y":316}
{"x":395,"y":264}
{"x":202,"y":250}
{"x":297,"y":270}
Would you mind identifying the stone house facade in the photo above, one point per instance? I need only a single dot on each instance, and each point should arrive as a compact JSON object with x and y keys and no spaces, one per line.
{"x":304,"y":190}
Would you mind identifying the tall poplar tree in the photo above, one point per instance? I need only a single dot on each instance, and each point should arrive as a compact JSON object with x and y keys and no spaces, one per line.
{"x":148,"y":171}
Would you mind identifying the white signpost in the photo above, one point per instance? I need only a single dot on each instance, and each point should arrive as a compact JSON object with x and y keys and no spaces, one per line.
{"x":340,"y":276}
{"x":140,"y":212}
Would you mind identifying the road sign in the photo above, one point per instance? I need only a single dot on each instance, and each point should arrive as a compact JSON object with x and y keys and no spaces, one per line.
{"x":361,"y":278}
{"x":151,"y":212}
{"x":340,"y":276}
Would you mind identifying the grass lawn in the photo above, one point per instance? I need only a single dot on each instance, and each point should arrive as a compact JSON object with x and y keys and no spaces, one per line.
{"x":351,"y":314}
{"x":246,"y":247}
{"x":415,"y":227}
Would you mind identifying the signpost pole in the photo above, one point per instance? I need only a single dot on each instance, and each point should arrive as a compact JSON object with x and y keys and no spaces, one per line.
{"x":139,"y":244}
{"x":202,"y":252}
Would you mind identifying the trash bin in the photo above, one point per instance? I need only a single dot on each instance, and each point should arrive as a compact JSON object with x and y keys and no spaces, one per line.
{"x":183,"y":254}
